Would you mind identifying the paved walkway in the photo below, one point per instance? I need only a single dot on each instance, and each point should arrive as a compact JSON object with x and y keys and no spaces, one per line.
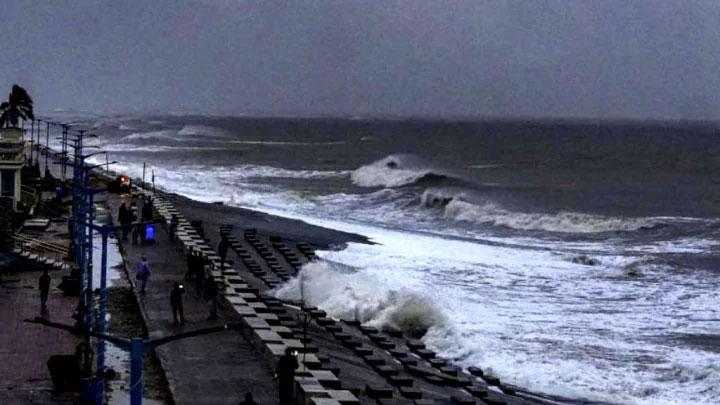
{"x":210,"y":369}
{"x":25,"y":348}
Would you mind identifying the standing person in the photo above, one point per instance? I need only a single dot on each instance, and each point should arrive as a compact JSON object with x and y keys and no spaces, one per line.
{"x":285,"y":373}
{"x":143,"y":273}
{"x":190,"y":272}
{"x":223,"y":249}
{"x":199,"y":271}
{"x":147,"y":210}
{"x":44,"y":285}
{"x":123,"y":218}
{"x":211,"y":293}
{"x":248,"y":400}
{"x":176,"y":303}
{"x":174,"y":222}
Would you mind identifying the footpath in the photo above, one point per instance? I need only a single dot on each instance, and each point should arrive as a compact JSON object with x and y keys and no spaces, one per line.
{"x":25,"y":348}
{"x":217,"y":368}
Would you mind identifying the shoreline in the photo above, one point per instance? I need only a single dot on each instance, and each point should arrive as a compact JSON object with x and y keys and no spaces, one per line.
{"x":291,"y":229}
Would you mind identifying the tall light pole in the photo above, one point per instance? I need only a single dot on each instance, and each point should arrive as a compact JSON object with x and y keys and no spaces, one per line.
{"x":137,"y":347}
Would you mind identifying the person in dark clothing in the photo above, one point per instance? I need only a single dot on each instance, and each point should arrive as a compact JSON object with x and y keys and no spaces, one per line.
{"x":147,"y":210}
{"x":124,"y":219}
{"x":176,"y":303}
{"x":211,"y":293}
{"x":222,"y":250}
{"x":44,"y":285}
{"x":285,"y":373}
{"x":174,"y":222}
{"x":248,"y":400}
{"x":190,"y":272}
{"x":135,"y":234}
{"x":199,"y":271}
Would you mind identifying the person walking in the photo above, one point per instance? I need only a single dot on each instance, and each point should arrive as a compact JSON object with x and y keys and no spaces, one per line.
{"x":143,"y":273}
{"x":222,"y":250}
{"x":285,"y":373}
{"x":248,"y":400}
{"x":44,"y":285}
{"x":211,"y":293}
{"x":176,"y":303}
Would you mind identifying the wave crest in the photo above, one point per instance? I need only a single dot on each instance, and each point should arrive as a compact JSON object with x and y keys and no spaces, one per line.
{"x":394,"y":171}
{"x":347,"y":294}
{"x":563,"y":221}
{"x":201,"y":130}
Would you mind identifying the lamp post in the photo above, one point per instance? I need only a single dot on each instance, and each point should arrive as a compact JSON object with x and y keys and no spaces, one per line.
{"x":137,"y":347}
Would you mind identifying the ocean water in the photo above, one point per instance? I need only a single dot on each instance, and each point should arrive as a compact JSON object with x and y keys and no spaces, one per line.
{"x":481,"y":231}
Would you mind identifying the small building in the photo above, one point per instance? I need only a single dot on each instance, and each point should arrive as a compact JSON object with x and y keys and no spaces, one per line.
{"x":12,"y":159}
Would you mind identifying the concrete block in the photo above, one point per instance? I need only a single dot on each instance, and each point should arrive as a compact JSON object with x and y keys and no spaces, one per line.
{"x":326,"y":378}
{"x":344,"y":397}
{"x":414,"y":344}
{"x":269,"y":318}
{"x":410,"y":392}
{"x":476,"y":371}
{"x":458,"y":400}
{"x":258,"y":323}
{"x":378,"y":391}
{"x":386,"y":370}
{"x":400,"y":381}
{"x":267,"y":336}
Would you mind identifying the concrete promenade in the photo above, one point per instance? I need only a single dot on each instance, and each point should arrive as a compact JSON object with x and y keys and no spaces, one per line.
{"x":25,"y":348}
{"x":211,"y":369}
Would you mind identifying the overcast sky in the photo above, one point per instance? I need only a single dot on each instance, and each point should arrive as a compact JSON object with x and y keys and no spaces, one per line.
{"x":601,"y":59}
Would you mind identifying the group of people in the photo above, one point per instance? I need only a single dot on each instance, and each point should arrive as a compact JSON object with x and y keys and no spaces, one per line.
{"x":205,"y":287}
{"x":126,"y":217}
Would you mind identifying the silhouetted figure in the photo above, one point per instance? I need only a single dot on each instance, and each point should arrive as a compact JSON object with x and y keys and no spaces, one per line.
{"x":176,"y":303}
{"x":190,"y":272}
{"x":44,"y":285}
{"x":222,"y":250}
{"x":285,"y":372}
{"x":211,"y":293}
{"x":174,"y":222}
{"x":147,"y":210}
{"x":199,"y":270}
{"x":143,"y":273}
{"x":248,"y":400}
{"x":135,"y":234}
{"x":124,"y":216}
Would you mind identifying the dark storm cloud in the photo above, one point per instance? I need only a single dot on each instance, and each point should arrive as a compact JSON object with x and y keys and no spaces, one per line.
{"x":641,"y":59}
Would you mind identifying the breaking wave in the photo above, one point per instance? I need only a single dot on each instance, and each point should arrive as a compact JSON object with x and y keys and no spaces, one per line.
{"x":456,"y":206}
{"x":166,"y":134}
{"x":395,"y":171}
{"x":345,"y":293}
{"x":201,"y":130}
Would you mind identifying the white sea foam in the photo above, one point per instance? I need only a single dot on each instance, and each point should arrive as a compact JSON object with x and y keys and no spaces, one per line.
{"x":392,"y":171}
{"x":528,"y":315}
{"x":531,"y":316}
{"x":203,"y":130}
{"x":563,"y":221}
{"x":125,"y":127}
{"x":164,"y":134}
{"x":129,"y":147}
{"x":349,"y":294}
{"x":286,"y":143}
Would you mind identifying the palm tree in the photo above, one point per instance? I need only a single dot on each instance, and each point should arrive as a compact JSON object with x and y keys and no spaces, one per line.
{"x":19,"y":106}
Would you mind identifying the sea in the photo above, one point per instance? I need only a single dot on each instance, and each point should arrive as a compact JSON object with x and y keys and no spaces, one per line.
{"x":570,"y":258}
